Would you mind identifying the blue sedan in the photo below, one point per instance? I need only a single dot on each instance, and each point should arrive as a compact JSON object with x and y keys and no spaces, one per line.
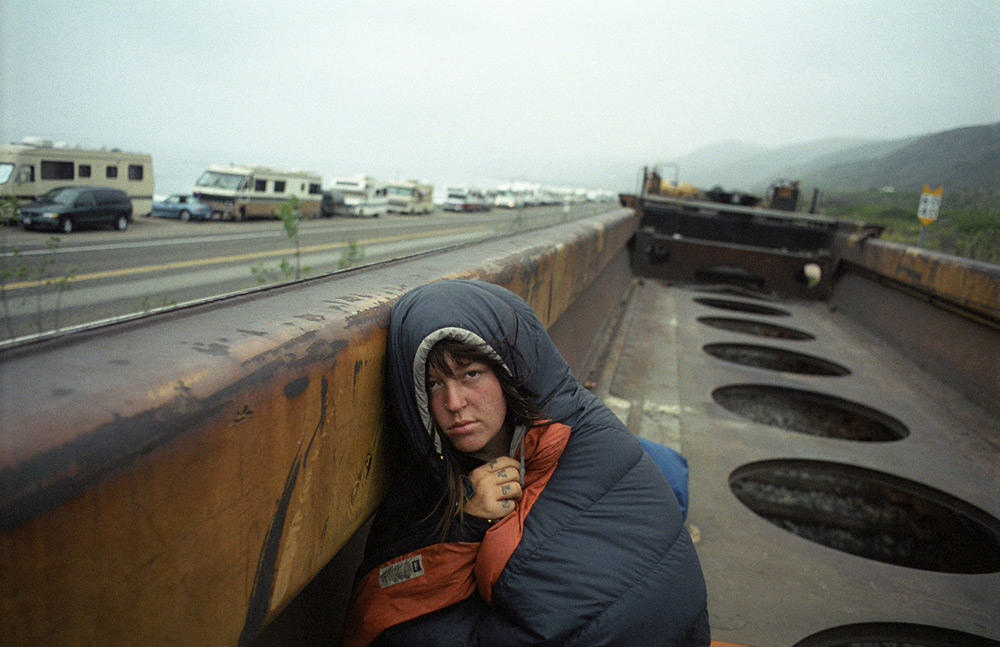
{"x":183,"y":206}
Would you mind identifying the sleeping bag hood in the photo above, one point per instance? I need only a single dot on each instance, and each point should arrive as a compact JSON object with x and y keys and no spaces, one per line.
{"x":474,"y":311}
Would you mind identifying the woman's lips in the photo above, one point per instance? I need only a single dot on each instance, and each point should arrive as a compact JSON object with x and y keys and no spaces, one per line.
{"x":462,"y":427}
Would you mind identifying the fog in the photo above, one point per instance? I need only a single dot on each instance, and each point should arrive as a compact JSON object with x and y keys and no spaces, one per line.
{"x":579,"y":93}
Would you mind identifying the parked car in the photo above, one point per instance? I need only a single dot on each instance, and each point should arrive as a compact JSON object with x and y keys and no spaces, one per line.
{"x":75,"y":207}
{"x":183,"y":206}
{"x":332,"y":204}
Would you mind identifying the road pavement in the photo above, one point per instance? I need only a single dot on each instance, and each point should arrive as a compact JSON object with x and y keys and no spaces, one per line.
{"x":57,"y":281}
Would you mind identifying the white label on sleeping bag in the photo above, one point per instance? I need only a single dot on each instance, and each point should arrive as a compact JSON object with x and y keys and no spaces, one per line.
{"x":401,"y":571}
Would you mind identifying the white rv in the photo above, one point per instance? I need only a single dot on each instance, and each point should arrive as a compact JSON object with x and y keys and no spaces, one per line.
{"x":35,"y":166}
{"x":463,"y":198}
{"x":241,"y":192}
{"x":411,"y":197}
{"x":363,"y":195}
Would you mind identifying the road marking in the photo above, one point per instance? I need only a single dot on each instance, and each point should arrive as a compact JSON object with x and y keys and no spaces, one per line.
{"x":218,"y":260}
{"x":182,"y":240}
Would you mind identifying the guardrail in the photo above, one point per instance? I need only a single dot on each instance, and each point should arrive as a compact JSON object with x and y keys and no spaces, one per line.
{"x":180,"y":477}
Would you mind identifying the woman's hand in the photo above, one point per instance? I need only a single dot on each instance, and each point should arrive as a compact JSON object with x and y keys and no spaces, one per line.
{"x":497,"y":489}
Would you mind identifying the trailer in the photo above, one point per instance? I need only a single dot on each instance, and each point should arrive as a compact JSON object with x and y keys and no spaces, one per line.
{"x":244,"y":192}
{"x":35,"y":166}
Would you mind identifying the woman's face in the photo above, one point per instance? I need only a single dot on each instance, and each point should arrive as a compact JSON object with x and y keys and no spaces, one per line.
{"x":469,"y":406}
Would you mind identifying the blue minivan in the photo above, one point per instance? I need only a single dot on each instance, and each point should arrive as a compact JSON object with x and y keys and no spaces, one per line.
{"x":75,"y":207}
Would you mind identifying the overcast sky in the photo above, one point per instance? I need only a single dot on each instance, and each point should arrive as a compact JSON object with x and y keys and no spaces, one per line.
{"x":450,"y":90}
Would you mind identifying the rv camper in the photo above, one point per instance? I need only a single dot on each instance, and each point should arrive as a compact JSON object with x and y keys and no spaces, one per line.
{"x":363,"y":195}
{"x":242,"y":192}
{"x":462,"y":198}
{"x":33,"y":167}
{"x":411,"y":197}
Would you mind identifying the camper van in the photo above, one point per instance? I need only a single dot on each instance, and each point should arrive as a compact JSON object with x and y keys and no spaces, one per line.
{"x":462,"y":198}
{"x":33,"y":167}
{"x":411,"y":197}
{"x":363,"y":195}
{"x":242,"y":192}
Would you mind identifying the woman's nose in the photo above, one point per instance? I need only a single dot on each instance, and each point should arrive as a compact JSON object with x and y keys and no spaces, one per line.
{"x":454,"y":397}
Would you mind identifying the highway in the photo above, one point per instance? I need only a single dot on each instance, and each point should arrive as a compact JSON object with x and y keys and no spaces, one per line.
{"x":54,"y":282}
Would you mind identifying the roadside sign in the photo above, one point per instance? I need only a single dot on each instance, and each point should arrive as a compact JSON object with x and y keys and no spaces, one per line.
{"x":930,"y":202}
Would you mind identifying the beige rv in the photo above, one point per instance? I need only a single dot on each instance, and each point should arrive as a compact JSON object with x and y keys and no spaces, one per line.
{"x":242,"y":192}
{"x":33,"y":167}
{"x":411,"y":197}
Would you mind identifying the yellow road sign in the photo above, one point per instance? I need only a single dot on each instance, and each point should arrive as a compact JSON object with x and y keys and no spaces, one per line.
{"x":930,"y":202}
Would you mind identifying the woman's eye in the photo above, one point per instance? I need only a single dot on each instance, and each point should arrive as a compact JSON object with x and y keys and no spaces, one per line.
{"x":473,"y":373}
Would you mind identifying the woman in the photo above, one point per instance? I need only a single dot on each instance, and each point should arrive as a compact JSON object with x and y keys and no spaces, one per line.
{"x":522,"y":511}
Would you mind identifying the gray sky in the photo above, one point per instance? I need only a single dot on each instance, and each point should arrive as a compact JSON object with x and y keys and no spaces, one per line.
{"x":465,"y":90}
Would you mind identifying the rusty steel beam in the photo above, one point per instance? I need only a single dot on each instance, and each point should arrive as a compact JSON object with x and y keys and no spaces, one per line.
{"x":970,"y":285}
{"x":180,"y":478}
{"x":762,"y":269}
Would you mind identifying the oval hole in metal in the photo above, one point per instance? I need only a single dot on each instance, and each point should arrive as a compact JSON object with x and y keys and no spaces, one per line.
{"x":894,"y":634}
{"x":809,"y":412}
{"x":871,"y":514}
{"x":758,"y":328}
{"x":730,"y":275}
{"x":775,"y":359}
{"x":741,"y":306}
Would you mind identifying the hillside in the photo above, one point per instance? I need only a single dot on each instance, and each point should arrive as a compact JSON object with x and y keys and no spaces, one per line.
{"x":966,"y":158}
{"x":963,"y":158}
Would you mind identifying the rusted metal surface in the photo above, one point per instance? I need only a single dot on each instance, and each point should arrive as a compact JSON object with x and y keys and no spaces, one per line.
{"x":956,"y":349}
{"x":768,"y":250}
{"x":648,"y":203}
{"x":942,"y":310}
{"x":687,"y":260}
{"x":580,"y":330}
{"x":180,"y":478}
{"x":967,"y":284}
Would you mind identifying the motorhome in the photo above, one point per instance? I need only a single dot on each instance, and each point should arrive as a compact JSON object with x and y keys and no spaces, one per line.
{"x":363,"y":195}
{"x":462,"y":198}
{"x":411,"y":197}
{"x":34,"y":166}
{"x":242,"y":192}
{"x":507,"y":199}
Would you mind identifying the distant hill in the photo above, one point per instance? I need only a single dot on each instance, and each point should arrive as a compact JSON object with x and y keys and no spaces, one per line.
{"x":966,"y":158}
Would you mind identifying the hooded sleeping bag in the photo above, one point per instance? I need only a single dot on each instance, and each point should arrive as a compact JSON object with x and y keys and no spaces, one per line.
{"x":594,"y":554}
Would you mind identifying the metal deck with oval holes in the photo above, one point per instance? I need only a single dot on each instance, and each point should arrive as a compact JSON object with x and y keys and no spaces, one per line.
{"x":840,"y":494}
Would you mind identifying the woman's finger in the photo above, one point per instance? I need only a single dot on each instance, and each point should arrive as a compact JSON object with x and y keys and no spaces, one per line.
{"x":510,"y":490}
